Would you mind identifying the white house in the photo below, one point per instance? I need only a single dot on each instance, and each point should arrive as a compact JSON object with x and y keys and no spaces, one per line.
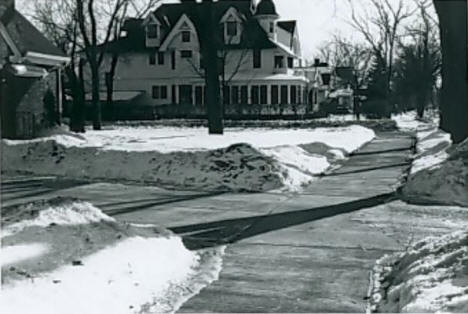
{"x":260,"y":55}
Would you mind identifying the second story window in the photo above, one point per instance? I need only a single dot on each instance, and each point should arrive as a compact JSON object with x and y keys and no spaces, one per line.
{"x":152,"y":59}
{"x":257,"y":58}
{"x":272,"y":27}
{"x":290,"y":62}
{"x":279,"y":62}
{"x":186,"y":54}
{"x":186,"y":36}
{"x":160,"y":58}
{"x":152,"y":31}
{"x":231,"y":29}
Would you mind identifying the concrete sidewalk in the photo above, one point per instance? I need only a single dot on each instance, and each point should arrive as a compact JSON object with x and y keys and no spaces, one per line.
{"x":307,"y":252}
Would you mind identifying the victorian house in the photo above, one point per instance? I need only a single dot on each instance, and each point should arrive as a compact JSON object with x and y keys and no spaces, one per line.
{"x":159,"y":56}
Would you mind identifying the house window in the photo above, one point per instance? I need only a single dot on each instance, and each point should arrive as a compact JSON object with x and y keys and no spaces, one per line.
{"x":254,"y":94}
{"x":235,"y":95}
{"x":290,"y":62}
{"x":244,"y":95}
{"x":293,"y":94}
{"x":257,"y":58}
{"x":186,"y":36}
{"x":284,"y":94}
{"x":186,"y":54}
{"x":279,"y":62}
{"x":173,"y":94}
{"x":160,"y":58}
{"x":198,"y":95}
{"x":159,"y":92}
{"x":274,"y":95}
{"x":263,"y":94}
{"x":152,"y":31}
{"x":156,"y":92}
{"x":173,"y":60}
{"x":163,"y":92}
{"x":152,"y":59}
{"x":231,"y":29}
{"x":272,"y":27}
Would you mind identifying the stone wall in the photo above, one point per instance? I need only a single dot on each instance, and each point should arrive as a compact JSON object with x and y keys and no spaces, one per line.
{"x":30,"y":112}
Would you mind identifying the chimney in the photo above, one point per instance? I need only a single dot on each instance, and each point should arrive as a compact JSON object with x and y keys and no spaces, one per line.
{"x":5,"y":5}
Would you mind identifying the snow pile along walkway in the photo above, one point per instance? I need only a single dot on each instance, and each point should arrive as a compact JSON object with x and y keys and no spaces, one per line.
{"x":188,"y":158}
{"x":439,"y":172}
{"x":69,"y":257}
{"x":431,"y":276}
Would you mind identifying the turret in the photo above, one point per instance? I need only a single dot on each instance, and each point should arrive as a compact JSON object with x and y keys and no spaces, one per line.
{"x":266,"y":15}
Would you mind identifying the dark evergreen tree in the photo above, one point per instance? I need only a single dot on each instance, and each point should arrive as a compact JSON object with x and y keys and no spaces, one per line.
{"x":377,"y":103}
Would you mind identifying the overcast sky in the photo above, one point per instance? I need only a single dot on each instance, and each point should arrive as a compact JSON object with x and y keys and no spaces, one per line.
{"x":317,"y":19}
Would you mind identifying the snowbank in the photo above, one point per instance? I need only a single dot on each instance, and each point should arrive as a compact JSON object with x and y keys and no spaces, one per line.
{"x":88,"y":263}
{"x":242,"y":159}
{"x":431,"y":276}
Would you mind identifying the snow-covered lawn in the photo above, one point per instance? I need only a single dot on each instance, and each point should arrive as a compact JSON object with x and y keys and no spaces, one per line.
{"x":72,"y":258}
{"x":431,"y":276}
{"x":241,"y":159}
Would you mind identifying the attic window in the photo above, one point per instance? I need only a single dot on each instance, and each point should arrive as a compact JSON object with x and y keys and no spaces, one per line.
{"x":186,"y":36}
{"x":152,"y":31}
{"x":231,"y":28}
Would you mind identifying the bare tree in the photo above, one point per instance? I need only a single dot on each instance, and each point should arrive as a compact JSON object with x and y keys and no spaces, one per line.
{"x":57,"y":21}
{"x":419,"y":62}
{"x":381,"y":28}
{"x":343,"y":52}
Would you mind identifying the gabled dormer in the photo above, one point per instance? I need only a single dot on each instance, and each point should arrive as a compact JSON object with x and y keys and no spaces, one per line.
{"x":152,"y":31}
{"x":231,"y":25}
{"x":182,"y":36}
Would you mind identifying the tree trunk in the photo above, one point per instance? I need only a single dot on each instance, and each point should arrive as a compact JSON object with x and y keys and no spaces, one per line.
{"x":77,"y":113}
{"x":454,"y":96}
{"x":110,"y":86}
{"x":210,"y":56}
{"x":96,"y":102}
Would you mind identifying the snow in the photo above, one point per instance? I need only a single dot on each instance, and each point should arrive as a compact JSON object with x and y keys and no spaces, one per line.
{"x":429,"y":277}
{"x":172,"y":139}
{"x":439,"y":170}
{"x":242,"y":159}
{"x":76,"y":213}
{"x":120,"y":271}
{"x":19,"y":253}
{"x":120,"y":279}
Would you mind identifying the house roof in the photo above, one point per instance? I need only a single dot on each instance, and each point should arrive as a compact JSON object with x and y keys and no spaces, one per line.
{"x":289,"y":26}
{"x":266,"y":7}
{"x":169,"y":14}
{"x":26,"y":37}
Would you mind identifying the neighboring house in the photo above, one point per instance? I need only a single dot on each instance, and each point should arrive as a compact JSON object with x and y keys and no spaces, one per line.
{"x":344,"y":89}
{"x":160,"y":55}
{"x":330,"y":89}
{"x":29,"y":69}
{"x":320,"y":77}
